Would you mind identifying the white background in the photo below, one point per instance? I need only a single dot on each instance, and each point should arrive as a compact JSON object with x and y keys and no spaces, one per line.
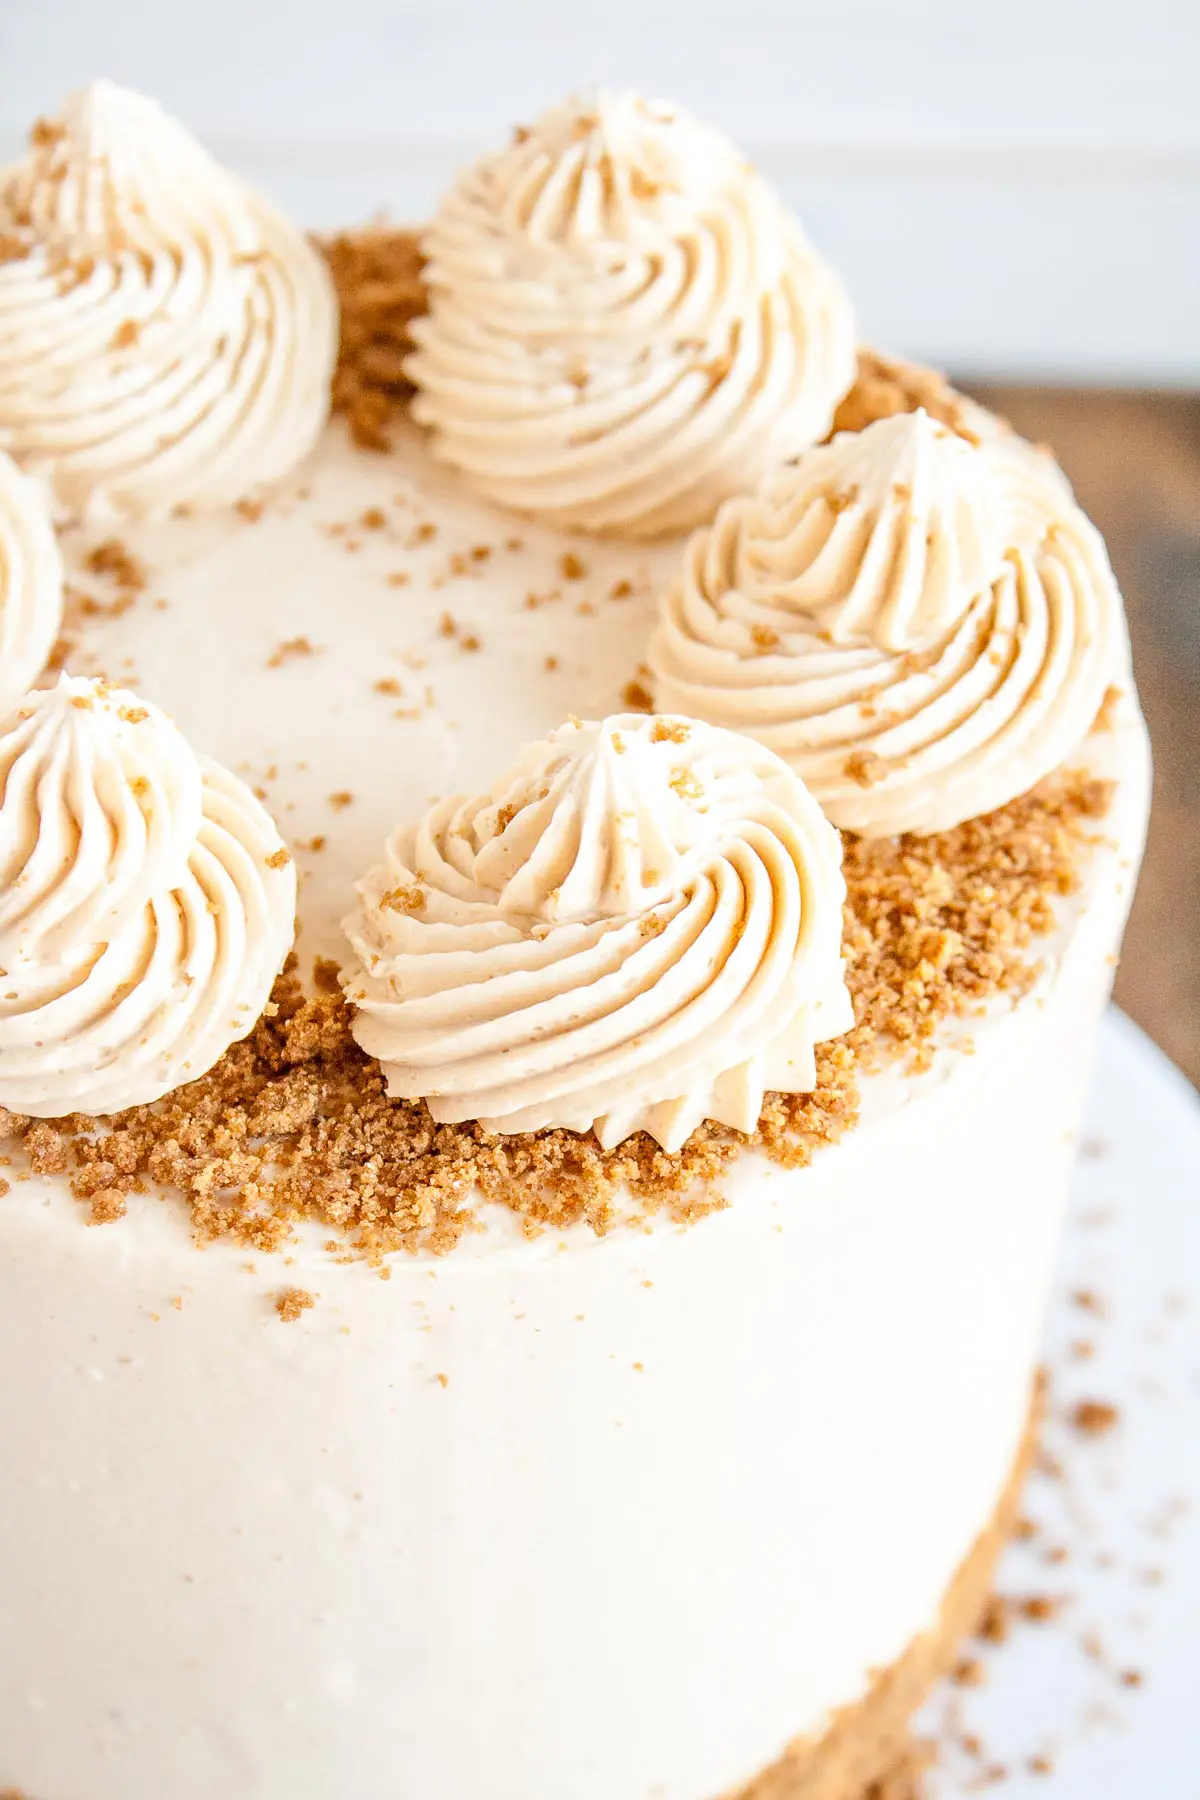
{"x":1010,"y":186}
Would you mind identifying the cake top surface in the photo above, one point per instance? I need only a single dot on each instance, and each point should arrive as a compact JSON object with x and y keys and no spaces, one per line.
{"x":580,"y":986}
{"x":357,"y":648}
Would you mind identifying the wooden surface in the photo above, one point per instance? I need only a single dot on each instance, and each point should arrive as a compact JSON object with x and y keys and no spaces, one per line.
{"x":1134,"y":460}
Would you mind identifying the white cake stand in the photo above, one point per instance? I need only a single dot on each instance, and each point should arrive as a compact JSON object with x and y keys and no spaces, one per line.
{"x":1102,"y":1701}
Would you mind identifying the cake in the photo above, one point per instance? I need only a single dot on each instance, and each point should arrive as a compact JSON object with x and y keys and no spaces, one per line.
{"x":574,"y":1334}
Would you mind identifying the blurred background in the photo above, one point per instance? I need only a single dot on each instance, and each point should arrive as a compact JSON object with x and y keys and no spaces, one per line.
{"x":1011,"y":190}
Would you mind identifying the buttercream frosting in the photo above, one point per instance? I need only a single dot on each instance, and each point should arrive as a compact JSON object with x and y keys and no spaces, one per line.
{"x":638,"y":928}
{"x":146,"y":904}
{"x":31,"y":584}
{"x":166,"y":337}
{"x":922,"y":626}
{"x":625,"y":326}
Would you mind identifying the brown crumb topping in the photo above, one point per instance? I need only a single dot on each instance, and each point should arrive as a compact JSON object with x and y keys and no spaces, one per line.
{"x":377,"y":275}
{"x":1095,"y":1418}
{"x":289,"y":650}
{"x":937,"y":926}
{"x":114,"y":561}
{"x":294,"y":1123}
{"x":292,"y":1303}
{"x":884,"y":387}
{"x":670,"y":731}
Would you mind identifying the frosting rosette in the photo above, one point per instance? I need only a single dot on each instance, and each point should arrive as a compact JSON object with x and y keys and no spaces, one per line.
{"x":625,"y":326}
{"x":166,"y":338}
{"x":147,"y":904}
{"x":921,"y":624}
{"x":31,"y":584}
{"x":638,"y":928}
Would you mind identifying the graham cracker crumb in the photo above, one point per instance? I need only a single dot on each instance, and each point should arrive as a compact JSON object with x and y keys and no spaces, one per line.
{"x":403,"y":899}
{"x":377,"y":275}
{"x":686,"y":784}
{"x":969,"y":1672}
{"x":670,"y":731}
{"x":293,"y":1123}
{"x":293,"y":1302}
{"x":637,"y":697}
{"x":289,"y":649}
{"x":116,"y":561}
{"x":1038,"y":1609}
{"x":864,"y":767}
{"x":1106,"y":718}
{"x":884,"y":387}
{"x":107,"y":1204}
{"x":1094,"y":1418}
{"x":993,"y":1625}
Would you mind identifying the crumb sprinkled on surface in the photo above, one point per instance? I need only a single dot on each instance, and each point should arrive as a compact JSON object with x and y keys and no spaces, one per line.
{"x":377,"y":275}
{"x":114,"y":560}
{"x":294,"y":1122}
{"x":670,"y":731}
{"x":292,"y":1303}
{"x":884,"y":387}
{"x":289,"y":650}
{"x":1094,"y":1417}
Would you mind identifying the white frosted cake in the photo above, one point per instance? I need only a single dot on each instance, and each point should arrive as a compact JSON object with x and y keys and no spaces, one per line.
{"x":578,"y":1338}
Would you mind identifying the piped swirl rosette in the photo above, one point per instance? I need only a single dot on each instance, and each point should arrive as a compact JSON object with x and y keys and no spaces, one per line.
{"x":147,"y":904}
{"x":166,"y":338}
{"x":624,"y":325}
{"x":922,"y":626}
{"x":31,"y":585}
{"x":638,"y":928}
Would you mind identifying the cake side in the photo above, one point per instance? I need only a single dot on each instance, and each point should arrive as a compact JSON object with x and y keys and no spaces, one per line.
{"x":817,"y":1436}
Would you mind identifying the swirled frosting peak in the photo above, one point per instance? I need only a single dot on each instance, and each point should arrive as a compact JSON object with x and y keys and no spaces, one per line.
{"x":923,"y":626}
{"x":624,"y":324}
{"x":146,"y":904}
{"x":638,"y":928}
{"x":883,"y":535}
{"x":166,"y":338}
{"x":31,"y":584}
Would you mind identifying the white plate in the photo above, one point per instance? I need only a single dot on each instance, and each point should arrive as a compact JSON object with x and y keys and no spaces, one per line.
{"x":1126,"y":1503}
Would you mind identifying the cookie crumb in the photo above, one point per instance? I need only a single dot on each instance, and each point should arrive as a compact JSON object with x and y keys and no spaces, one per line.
{"x":1094,"y":1417}
{"x":293,"y":1302}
